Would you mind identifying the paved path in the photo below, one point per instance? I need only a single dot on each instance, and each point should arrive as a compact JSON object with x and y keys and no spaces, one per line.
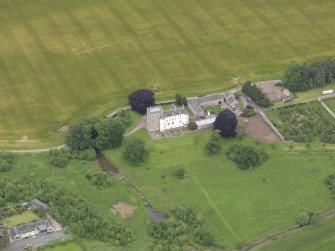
{"x":141,"y":124}
{"x":40,"y":240}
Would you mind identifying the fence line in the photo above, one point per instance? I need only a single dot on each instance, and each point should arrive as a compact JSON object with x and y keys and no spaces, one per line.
{"x":268,"y":122}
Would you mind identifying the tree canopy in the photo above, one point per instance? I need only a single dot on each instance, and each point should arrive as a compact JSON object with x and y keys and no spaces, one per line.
{"x":226,"y":123}
{"x":134,"y":151}
{"x":95,"y":133}
{"x":255,"y":94}
{"x":141,"y":99}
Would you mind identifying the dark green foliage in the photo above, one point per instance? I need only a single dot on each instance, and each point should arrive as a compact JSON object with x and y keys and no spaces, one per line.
{"x":60,"y":157}
{"x":69,"y":209}
{"x":203,"y":237}
{"x":88,"y":154}
{"x":141,"y":99}
{"x":109,"y":134}
{"x":6,"y":161}
{"x":304,"y":219}
{"x":248,"y":112}
{"x":255,"y":94}
{"x":302,"y":123}
{"x":330,"y":182}
{"x":124,"y":117}
{"x":299,"y":77}
{"x":180,"y":173}
{"x":192,"y":125}
{"x":39,"y":211}
{"x":100,"y":179}
{"x":168,"y":235}
{"x":95,"y":133}
{"x":188,"y":216}
{"x":4,"y":238}
{"x":180,"y":100}
{"x":246,"y":157}
{"x":226,"y":123}
{"x":213,"y":146}
{"x":134,"y":151}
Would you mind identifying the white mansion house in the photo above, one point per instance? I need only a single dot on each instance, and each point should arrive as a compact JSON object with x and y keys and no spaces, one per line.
{"x":158,"y":119}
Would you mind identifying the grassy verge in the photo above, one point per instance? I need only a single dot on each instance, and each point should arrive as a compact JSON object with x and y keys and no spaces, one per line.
{"x":330,"y":103}
{"x":69,"y":246}
{"x":237,"y":205}
{"x":321,"y":238}
{"x":20,"y":219}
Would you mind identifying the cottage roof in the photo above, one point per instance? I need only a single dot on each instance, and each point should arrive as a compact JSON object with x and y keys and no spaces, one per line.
{"x":43,"y":224}
{"x":37,"y":204}
{"x":207,"y":98}
{"x":194,"y":104}
{"x":173,"y":112}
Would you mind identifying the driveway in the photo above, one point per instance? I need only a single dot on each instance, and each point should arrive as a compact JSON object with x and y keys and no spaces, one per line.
{"x":40,"y":240}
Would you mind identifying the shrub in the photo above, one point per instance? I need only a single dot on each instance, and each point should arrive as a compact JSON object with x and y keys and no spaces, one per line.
{"x":100,"y":179}
{"x":188,"y":216}
{"x":203,"y":237}
{"x":255,"y":94}
{"x":180,"y":173}
{"x":248,"y":112}
{"x":330,"y":182}
{"x":60,"y":157}
{"x":304,"y":219}
{"x":213,"y":146}
{"x":192,"y":125}
{"x":134,"y":151}
{"x":246,"y":157}
{"x":6,"y":161}
{"x":88,"y":154}
{"x":124,"y":117}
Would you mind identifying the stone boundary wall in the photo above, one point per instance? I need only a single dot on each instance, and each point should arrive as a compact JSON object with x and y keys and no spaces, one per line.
{"x":268,"y":122}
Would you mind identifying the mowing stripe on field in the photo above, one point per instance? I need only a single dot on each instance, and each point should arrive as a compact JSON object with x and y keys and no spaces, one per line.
{"x":214,"y":207}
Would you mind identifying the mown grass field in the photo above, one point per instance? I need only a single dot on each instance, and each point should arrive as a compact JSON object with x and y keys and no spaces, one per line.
{"x":71,"y":246}
{"x":237,"y":205}
{"x":20,"y":219}
{"x":321,"y":238}
{"x":61,"y":60}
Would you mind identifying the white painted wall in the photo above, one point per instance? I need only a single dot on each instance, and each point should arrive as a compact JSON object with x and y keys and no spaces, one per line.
{"x":180,"y":120}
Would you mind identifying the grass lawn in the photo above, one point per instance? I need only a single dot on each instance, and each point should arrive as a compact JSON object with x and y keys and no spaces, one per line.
{"x":72,"y":246}
{"x":20,"y":219}
{"x":321,"y":238}
{"x":330,"y":103}
{"x":237,"y":205}
{"x":62,"y":60}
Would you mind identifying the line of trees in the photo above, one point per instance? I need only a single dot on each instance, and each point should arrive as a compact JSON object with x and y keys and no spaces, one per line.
{"x":255,"y":94}
{"x":301,"y":77}
{"x":70,"y":210}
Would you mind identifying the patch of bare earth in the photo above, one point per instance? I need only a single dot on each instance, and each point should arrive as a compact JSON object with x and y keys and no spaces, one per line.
{"x":238,"y":80}
{"x":125,"y":210}
{"x":259,"y":130}
{"x":63,"y":129}
{"x":25,"y":140}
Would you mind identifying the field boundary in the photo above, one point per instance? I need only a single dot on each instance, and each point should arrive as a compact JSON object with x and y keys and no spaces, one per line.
{"x":321,"y":98}
{"x":269,"y":123}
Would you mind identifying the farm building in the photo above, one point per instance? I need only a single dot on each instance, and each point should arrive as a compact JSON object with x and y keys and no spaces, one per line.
{"x":39,"y":204}
{"x":158,"y":119}
{"x":197,"y":105}
{"x":31,"y":229}
{"x":230,"y":99}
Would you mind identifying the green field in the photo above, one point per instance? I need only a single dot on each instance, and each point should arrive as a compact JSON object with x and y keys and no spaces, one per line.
{"x":62,"y":60}
{"x":237,"y":205}
{"x":20,"y":219}
{"x":330,"y":103}
{"x":321,"y":238}
{"x":72,"y":246}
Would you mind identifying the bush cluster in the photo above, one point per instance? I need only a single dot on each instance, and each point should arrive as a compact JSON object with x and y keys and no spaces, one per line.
{"x":180,"y":100}
{"x":248,"y":112}
{"x":124,"y":117}
{"x":6,"y":161}
{"x":213,"y":146}
{"x":173,"y":233}
{"x":330,"y":182}
{"x":301,"y":77}
{"x":246,"y":157}
{"x":303,"y":122}
{"x":100,"y":179}
{"x":304,"y":219}
{"x":255,"y":94}
{"x":135,"y":152}
{"x":87,"y":154}
{"x":70,"y":210}
{"x":60,"y":157}
{"x":192,"y":126}
{"x":180,"y":173}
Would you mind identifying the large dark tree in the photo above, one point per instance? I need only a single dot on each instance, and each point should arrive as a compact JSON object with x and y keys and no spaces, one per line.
{"x":226,"y":123}
{"x":141,"y":99}
{"x":95,"y":133}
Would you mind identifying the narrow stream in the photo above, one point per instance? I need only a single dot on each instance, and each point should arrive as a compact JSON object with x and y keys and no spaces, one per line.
{"x":108,"y":167}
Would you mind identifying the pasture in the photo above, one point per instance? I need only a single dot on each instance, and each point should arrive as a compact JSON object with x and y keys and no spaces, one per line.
{"x":237,"y":205}
{"x":321,"y":238}
{"x":62,"y":60}
{"x":70,"y":246}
